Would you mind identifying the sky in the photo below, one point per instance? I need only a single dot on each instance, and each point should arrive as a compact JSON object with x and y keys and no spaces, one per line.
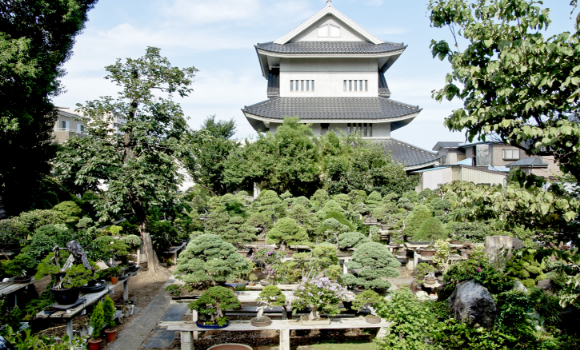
{"x":218,"y":36}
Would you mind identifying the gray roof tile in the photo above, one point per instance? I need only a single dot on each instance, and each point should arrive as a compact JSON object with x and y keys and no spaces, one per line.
{"x":528,"y":162}
{"x":406,"y":153}
{"x":330,"y":47}
{"x":332,"y":108}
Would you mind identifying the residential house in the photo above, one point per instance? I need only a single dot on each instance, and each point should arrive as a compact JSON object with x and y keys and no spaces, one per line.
{"x":68,"y":124}
{"x":330,"y":72}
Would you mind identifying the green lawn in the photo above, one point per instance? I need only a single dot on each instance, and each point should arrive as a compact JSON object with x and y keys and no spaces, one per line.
{"x":349,"y":345}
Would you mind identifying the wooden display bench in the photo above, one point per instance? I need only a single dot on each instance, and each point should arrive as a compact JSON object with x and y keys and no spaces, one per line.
{"x":189,"y":329}
{"x":90,"y":299}
{"x":10,"y":287}
{"x":173,"y":252}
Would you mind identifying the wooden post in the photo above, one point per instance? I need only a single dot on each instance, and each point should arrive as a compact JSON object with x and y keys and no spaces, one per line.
{"x":194,"y":318}
{"x":69,"y":328}
{"x":284,"y":339}
{"x":186,"y":341}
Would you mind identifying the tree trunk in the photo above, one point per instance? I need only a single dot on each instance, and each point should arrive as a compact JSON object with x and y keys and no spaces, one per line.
{"x":140,"y":213}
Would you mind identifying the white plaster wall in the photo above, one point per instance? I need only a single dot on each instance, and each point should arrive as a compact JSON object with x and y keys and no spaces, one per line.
{"x":381,"y":130}
{"x":330,"y":64}
{"x":311,"y":34}
{"x":433,"y":179}
{"x":316,"y":129}
{"x":274,"y":127}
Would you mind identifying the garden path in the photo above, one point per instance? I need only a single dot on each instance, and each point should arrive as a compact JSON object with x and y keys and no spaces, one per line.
{"x":146,"y":321}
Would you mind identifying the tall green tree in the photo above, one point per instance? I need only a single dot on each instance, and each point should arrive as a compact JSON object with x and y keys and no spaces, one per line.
{"x":139,"y":164}
{"x":36,"y":38}
{"x":286,"y":160}
{"x":210,"y":154}
{"x":513,"y":81}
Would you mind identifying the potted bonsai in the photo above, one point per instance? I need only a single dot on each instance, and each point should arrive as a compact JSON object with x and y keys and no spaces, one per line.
{"x":369,"y":300}
{"x":97,"y":322}
{"x":270,"y":296}
{"x":253,"y":278}
{"x":114,"y":273}
{"x":212,"y":304}
{"x":430,"y":230}
{"x":66,"y":292}
{"x":22,"y":266}
{"x":318,"y":295}
{"x":426,"y":274}
{"x":109,"y":315}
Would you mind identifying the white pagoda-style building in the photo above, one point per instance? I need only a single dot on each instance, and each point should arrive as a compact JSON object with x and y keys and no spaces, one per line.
{"x":329,"y":72}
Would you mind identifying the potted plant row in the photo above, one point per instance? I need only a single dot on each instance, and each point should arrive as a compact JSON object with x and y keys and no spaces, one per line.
{"x":103,"y":315}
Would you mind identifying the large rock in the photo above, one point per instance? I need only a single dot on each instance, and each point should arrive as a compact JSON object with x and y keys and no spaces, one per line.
{"x":547,"y":286}
{"x":471,"y":303}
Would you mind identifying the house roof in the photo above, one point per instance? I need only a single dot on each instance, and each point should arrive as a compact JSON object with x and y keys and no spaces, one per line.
{"x":326,"y":11}
{"x":411,"y":156}
{"x":528,"y":162}
{"x":446,"y":144}
{"x":330,"y":47}
{"x":333,"y":109}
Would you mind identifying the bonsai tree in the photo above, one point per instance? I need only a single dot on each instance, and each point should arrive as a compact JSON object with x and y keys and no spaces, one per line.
{"x":108,"y":249}
{"x":368,"y":300}
{"x":109,"y":312}
{"x":441,"y":257}
{"x":430,"y":230}
{"x":332,"y":227}
{"x":207,"y":259}
{"x":419,"y":214}
{"x":333,"y":272}
{"x":319,"y":259}
{"x":76,"y":276}
{"x":424,"y":270}
{"x":133,"y":242}
{"x":287,"y":231}
{"x":270,"y":296}
{"x":97,"y":321}
{"x":213,"y":303}
{"x":320,"y":295}
{"x":21,"y":265}
{"x":238,"y":233}
{"x":374,"y":264}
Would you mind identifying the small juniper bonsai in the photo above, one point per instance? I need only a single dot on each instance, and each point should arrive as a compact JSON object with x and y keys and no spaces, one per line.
{"x":270,"y":296}
{"x":77,"y":276}
{"x":368,"y":299}
{"x":214,"y":302}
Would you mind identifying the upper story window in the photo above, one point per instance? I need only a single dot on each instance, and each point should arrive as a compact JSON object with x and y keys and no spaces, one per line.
{"x":80,"y":128}
{"x":63,"y":125}
{"x":366,"y":130}
{"x":356,"y":85}
{"x":301,"y":85}
{"x":511,"y":154}
{"x":328,"y":30}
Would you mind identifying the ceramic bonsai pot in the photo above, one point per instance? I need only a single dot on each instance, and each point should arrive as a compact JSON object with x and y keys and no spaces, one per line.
{"x":230,"y":346}
{"x":373,"y":319}
{"x":95,"y":344}
{"x":65,"y":296}
{"x":251,"y":284}
{"x":428,"y":252}
{"x":211,"y":326}
{"x":322,"y":321}
{"x":261,"y":322}
{"x":111,"y":334}
{"x":22,"y":279}
{"x":244,"y":253}
{"x":93,"y":287}
{"x":430,"y":280}
{"x":264,"y":283}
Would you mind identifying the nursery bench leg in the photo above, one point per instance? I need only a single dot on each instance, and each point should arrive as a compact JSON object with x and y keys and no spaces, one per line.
{"x":69,"y":328}
{"x":284,"y":339}
{"x":186,"y":341}
{"x":194,"y":318}
{"x":415,"y":260}
{"x":126,"y":290}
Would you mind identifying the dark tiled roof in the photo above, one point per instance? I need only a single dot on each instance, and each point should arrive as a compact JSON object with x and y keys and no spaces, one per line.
{"x":330,"y":47}
{"x":409,"y":155}
{"x":335,"y":108}
{"x":528,"y":162}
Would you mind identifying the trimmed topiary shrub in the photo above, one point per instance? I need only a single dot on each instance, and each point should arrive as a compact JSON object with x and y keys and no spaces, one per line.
{"x":373,"y":263}
{"x":97,"y":320}
{"x":109,"y":312}
{"x":208,"y":259}
{"x":351,"y":240}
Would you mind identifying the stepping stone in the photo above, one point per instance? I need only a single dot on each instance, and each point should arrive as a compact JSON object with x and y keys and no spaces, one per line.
{"x":161,"y":337}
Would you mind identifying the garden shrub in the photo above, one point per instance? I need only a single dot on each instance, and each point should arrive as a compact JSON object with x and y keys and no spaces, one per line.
{"x":207,"y":258}
{"x":412,"y":322}
{"x":351,"y":240}
{"x":36,"y":218}
{"x":287,"y":232}
{"x":466,"y":231}
{"x":374,"y":263}
{"x":69,"y":211}
{"x":430,"y":230}
{"x":12,"y":232}
{"x":40,"y":246}
{"x":109,"y":312}
{"x":97,"y":320}
{"x":303,"y":201}
{"x":479,"y":270}
{"x":374,"y":199}
{"x":22,"y":264}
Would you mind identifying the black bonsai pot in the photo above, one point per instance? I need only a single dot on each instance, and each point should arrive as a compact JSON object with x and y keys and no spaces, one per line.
{"x":66,"y":296}
{"x":93,"y":287}
{"x":22,"y":279}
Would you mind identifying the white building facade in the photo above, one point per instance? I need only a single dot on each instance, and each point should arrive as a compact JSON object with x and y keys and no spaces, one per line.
{"x":330,"y":72}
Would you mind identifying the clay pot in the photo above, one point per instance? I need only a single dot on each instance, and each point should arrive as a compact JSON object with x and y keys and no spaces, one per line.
{"x":111,"y":334}
{"x":251,"y":284}
{"x":95,"y":344}
{"x":114,"y":280}
{"x":430,"y":280}
{"x":373,"y":319}
{"x":265,"y":283}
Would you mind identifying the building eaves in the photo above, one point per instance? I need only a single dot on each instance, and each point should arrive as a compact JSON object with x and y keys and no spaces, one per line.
{"x":528,"y":162}
{"x":447,"y":144}
{"x":332,"y":108}
{"x":330,"y":47}
{"x":407,"y":154}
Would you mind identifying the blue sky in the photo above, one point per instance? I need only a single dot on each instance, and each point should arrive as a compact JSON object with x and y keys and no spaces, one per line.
{"x":217,"y":37}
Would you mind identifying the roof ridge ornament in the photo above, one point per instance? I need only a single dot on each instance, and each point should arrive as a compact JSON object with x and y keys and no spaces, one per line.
{"x":328,"y":2}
